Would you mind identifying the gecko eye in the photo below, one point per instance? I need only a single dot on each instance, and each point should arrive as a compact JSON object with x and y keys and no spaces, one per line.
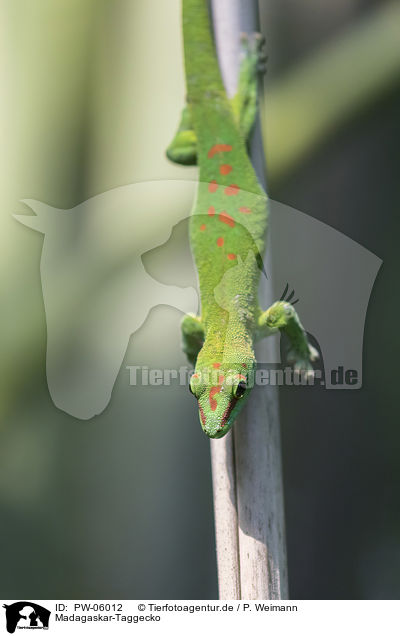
{"x":240,"y":389}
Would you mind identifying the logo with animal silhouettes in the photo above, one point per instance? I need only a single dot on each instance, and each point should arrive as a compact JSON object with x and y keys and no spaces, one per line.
{"x":26,"y":615}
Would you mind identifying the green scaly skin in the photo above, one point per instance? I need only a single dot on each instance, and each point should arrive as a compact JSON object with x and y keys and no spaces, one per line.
{"x":227,"y":231}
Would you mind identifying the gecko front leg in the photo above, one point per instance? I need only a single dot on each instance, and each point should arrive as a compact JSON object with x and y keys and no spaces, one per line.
{"x":192,"y":336}
{"x":283,"y":316}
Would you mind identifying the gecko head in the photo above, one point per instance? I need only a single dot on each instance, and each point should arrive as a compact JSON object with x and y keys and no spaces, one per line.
{"x":221,"y":390}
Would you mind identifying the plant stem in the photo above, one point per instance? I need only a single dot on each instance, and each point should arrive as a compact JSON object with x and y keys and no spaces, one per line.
{"x":248,"y":493}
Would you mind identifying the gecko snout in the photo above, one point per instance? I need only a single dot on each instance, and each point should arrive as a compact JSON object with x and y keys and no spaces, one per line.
{"x":215,"y":433}
{"x":214,"y":429}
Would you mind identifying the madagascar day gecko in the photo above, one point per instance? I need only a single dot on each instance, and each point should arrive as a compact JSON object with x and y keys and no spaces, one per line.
{"x":227,"y":231}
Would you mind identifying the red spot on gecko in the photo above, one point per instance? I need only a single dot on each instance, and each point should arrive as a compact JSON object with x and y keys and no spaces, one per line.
{"x":211,"y":210}
{"x":218,"y":148}
{"x":202,"y":227}
{"x":245,"y":210}
{"x":226,"y":218}
{"x":220,"y":379}
{"x":225,"y":169}
{"x":231,"y":190}
{"x":241,"y":377}
{"x":213,"y":402}
{"x":244,"y":365}
{"x":216,"y":365}
{"x":220,"y":241}
{"x":203,"y":418}
{"x":213,"y":186}
{"x":232,"y":257}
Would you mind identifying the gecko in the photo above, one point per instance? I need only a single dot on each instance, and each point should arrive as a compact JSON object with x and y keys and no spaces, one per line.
{"x":227,"y":229}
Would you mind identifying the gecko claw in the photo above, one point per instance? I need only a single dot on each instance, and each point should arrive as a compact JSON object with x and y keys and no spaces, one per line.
{"x":288,"y":299}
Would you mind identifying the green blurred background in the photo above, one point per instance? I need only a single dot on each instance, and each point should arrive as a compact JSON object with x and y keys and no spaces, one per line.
{"x":120,"y":506}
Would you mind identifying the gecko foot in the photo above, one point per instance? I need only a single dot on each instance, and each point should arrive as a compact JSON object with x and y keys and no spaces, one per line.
{"x":252,"y":47}
{"x":283,"y":316}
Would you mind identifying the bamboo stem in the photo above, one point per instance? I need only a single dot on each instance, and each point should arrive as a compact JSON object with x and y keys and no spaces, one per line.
{"x":225,"y":512}
{"x":248,"y":493}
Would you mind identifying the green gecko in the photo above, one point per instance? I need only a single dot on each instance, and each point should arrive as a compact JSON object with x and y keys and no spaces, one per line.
{"x":227,"y":231}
